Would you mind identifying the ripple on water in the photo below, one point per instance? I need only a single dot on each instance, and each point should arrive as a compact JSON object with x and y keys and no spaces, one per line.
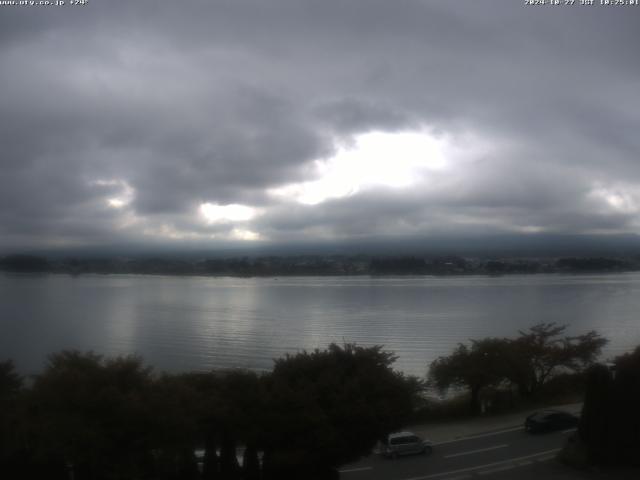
{"x":202,"y":323}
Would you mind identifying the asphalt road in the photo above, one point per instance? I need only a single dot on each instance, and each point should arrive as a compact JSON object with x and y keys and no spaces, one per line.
{"x":487,"y":455}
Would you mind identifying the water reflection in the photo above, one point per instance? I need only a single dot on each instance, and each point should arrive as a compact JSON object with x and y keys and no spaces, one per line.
{"x":181,"y":323}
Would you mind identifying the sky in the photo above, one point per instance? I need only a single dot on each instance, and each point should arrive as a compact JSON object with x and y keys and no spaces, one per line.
{"x":243,"y":122}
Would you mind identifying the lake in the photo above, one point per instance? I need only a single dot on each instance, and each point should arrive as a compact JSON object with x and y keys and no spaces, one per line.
{"x":184,"y":323}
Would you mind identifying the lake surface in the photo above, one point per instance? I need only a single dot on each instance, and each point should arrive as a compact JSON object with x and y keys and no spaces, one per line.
{"x":183,"y":323}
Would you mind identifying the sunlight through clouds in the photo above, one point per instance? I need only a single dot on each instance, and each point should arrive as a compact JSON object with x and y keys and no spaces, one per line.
{"x":230,"y":214}
{"x":124,"y":197}
{"x":234,"y":212}
{"x":395,"y":160}
{"x":617,"y":199}
{"x":246,"y":235}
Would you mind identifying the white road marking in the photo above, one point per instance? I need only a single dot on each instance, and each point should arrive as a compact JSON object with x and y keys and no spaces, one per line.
{"x":496,"y":470}
{"x":476,"y":451}
{"x":471,"y":437}
{"x":359,"y":469}
{"x":460,"y":477}
{"x":487,"y":465}
{"x":545,"y":458}
{"x":569,"y":430}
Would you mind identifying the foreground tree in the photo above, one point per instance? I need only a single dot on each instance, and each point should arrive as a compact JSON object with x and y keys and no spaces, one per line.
{"x":543,"y":351}
{"x":92,"y":418}
{"x":610,"y":421}
{"x":329,"y":407}
{"x":89,"y":416}
{"x":11,"y":427}
{"x":473,"y":367}
{"x":176,"y":404}
{"x":10,"y":381}
{"x":528,"y":362}
{"x":241,"y":414}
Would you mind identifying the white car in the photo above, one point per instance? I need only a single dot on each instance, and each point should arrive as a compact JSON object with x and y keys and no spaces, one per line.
{"x":405,"y":443}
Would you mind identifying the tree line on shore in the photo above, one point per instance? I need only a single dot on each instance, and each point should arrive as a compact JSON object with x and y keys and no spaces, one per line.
{"x":316,"y":265}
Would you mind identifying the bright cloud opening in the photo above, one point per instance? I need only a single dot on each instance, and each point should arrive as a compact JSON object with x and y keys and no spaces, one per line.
{"x":395,"y":160}
{"x":620,"y":200}
{"x":246,"y":235}
{"x":123,"y":198}
{"x":234,"y":212}
{"x":116,"y":202}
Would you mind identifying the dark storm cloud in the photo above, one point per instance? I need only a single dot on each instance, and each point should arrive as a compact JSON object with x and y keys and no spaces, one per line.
{"x":121,"y":118}
{"x":350,"y":116}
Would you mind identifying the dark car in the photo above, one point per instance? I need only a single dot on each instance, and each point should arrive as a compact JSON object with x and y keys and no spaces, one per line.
{"x":550,"y":420}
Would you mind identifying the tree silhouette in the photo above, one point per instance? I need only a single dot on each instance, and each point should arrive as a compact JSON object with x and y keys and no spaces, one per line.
{"x":11,"y":432}
{"x":329,"y":407}
{"x":542,"y":351}
{"x":91,"y":415}
{"x":610,"y":421}
{"x":528,"y":361}
{"x":88,"y":417}
{"x":10,"y":381}
{"x":475,"y":367}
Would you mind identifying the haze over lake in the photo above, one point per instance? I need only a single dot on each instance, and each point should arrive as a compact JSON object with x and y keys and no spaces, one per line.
{"x":181,"y":323}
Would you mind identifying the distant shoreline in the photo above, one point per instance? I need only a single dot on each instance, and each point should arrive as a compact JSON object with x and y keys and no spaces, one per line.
{"x":320,"y":266}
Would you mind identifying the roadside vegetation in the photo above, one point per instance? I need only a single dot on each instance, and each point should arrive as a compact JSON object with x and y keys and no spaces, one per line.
{"x":90,"y":417}
{"x":541,"y":364}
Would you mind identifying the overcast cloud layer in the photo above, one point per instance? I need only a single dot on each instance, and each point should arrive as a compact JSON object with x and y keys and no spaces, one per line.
{"x":201,"y":122}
